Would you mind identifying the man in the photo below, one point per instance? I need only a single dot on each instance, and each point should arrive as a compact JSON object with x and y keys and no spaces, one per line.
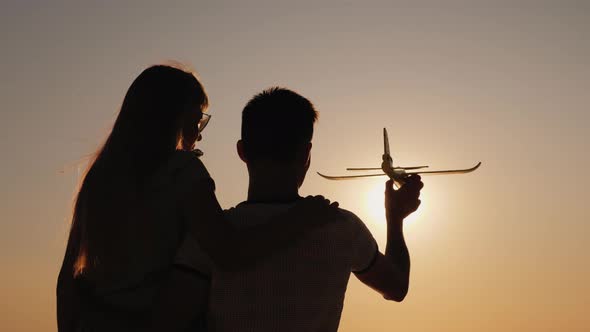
{"x":302,"y":288}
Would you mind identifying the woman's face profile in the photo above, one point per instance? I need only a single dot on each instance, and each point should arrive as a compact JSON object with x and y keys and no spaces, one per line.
{"x":190,"y":126}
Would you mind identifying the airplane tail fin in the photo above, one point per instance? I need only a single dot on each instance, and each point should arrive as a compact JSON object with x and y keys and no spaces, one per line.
{"x":385,"y":142}
{"x":386,"y":155}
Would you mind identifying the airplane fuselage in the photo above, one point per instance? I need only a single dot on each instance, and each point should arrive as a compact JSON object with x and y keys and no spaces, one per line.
{"x":397,"y":175}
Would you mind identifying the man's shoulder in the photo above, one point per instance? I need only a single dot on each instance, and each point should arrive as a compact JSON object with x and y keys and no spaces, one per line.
{"x":244,"y":206}
{"x":350,"y":220}
{"x":349,"y":215}
{"x":251,"y":214}
{"x":247,"y":213}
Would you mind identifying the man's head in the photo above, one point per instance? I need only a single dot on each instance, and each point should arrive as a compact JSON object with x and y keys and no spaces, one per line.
{"x":277,"y":128}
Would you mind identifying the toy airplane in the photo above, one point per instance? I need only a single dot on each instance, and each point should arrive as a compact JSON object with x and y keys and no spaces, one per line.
{"x":397,"y":174}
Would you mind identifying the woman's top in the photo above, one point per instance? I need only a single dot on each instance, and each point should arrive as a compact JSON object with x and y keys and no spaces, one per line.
{"x":123,"y":302}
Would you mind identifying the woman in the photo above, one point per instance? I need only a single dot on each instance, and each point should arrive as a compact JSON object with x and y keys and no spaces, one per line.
{"x":143,"y":194}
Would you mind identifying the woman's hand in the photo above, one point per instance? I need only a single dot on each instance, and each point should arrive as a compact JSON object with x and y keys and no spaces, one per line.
{"x":320,"y":201}
{"x":311,"y":212}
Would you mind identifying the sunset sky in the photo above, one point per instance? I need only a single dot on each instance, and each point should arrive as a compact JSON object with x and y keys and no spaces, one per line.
{"x":455,"y":82}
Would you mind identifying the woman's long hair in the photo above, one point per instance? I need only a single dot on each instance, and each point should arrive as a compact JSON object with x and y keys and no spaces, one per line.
{"x":108,"y":213}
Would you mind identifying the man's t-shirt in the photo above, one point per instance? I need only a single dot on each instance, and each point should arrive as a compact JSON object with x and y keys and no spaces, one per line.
{"x":298,"y":289}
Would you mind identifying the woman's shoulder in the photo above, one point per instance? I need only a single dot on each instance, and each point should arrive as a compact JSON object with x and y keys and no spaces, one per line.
{"x":188,"y":165}
{"x":188,"y":161}
{"x":183,"y":166}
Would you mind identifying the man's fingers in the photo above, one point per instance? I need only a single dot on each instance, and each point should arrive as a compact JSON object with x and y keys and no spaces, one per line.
{"x":389,"y":185}
{"x":415,"y":177}
{"x":415,"y":180}
{"x":388,"y":188}
{"x":420,"y":184}
{"x":412,"y":189}
{"x":413,"y":206}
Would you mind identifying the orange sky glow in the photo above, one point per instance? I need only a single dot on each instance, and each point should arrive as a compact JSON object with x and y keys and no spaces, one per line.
{"x":502,"y":249}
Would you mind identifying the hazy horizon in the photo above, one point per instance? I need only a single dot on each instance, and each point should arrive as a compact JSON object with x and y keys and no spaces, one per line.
{"x":506,"y":83}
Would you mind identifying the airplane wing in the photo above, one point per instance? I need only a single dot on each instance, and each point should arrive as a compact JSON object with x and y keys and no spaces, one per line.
{"x":347,"y":177}
{"x":449,"y":171}
{"x":379,"y":168}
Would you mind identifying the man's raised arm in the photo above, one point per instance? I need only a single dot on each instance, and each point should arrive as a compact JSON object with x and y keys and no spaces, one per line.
{"x":390,"y":273}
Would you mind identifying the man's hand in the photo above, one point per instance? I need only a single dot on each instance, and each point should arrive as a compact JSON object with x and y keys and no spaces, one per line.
{"x":402,"y":202}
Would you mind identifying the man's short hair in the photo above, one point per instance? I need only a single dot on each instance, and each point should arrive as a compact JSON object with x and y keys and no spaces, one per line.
{"x":276,"y":124}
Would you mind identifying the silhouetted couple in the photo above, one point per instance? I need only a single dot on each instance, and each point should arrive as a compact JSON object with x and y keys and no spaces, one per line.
{"x":150,"y":249}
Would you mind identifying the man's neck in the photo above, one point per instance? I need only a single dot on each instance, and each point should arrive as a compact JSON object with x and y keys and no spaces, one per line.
{"x":272,"y":185}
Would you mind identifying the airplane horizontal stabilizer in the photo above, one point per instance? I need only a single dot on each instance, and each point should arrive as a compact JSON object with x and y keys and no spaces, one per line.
{"x":347,"y":177}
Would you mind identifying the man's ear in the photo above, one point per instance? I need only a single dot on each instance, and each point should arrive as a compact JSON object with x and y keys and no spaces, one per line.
{"x":308,"y":154}
{"x":241,"y":153}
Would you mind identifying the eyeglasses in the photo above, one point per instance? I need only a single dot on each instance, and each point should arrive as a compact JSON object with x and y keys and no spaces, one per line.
{"x":203,"y":122}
